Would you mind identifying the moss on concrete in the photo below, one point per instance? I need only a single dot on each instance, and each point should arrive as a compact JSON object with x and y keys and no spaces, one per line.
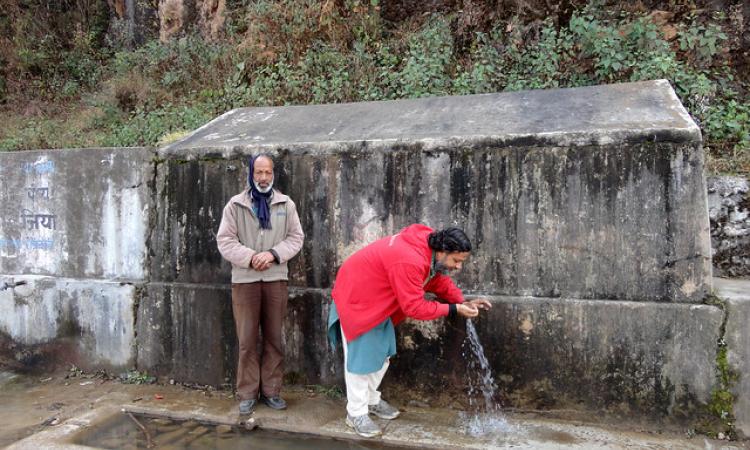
{"x":721,"y":405}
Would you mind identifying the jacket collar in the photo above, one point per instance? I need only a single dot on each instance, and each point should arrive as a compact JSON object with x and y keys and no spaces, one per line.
{"x":244,"y":198}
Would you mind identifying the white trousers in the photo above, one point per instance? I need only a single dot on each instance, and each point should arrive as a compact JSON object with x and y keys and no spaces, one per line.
{"x":361,"y":390}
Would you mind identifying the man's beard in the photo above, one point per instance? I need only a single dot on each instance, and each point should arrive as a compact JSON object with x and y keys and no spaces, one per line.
{"x":441,"y":268}
{"x":263,"y":190}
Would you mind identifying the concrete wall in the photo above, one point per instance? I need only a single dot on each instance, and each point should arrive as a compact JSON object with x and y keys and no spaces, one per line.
{"x":75,"y":213}
{"x":576,"y":200}
{"x":629,"y":356}
{"x":542,"y":221}
{"x":594,"y":193}
{"x":74,"y":227}
{"x":97,"y":314}
{"x":587,"y":208}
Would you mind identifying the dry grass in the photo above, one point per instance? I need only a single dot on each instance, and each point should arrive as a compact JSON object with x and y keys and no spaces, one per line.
{"x":52,"y":127}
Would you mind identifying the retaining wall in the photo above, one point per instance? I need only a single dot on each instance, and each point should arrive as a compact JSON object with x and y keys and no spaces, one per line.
{"x":587,"y":208}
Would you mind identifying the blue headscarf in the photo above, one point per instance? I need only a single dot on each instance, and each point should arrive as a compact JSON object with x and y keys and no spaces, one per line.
{"x":262,"y":201}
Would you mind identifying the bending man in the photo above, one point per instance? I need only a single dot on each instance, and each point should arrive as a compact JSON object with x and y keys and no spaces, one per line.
{"x":378,"y":287}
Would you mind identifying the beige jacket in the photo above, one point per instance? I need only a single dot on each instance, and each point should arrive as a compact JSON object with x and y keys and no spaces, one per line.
{"x":240,"y":237}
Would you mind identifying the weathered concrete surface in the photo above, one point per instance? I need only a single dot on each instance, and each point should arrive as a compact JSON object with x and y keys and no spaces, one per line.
{"x":309,"y":356}
{"x":632,"y":357}
{"x":655,"y":360}
{"x":598,"y":115}
{"x":186,"y":332}
{"x":75,"y":213}
{"x":736,"y":293}
{"x":74,"y":227}
{"x":98,"y":314}
{"x":604,"y":201}
{"x":729,"y":212}
{"x":535,"y":234}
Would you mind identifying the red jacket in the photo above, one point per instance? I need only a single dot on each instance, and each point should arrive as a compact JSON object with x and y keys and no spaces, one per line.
{"x":387,"y":279}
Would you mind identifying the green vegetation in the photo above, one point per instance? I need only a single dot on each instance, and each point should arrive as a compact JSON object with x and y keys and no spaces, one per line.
{"x":721,"y":405}
{"x":722,"y":401}
{"x":91,"y":91}
{"x":333,"y":392}
{"x":136,"y":377}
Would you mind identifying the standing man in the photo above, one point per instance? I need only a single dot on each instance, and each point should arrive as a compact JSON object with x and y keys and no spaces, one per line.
{"x":378,"y":287}
{"x":259,"y":232}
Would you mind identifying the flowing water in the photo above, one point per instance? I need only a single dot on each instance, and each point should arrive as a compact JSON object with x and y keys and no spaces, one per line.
{"x":485,"y":416}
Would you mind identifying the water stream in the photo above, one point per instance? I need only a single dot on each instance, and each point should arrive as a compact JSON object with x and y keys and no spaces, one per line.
{"x":485,"y":416}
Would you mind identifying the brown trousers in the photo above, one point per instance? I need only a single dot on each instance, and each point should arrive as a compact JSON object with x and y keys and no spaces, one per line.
{"x":259,"y":304}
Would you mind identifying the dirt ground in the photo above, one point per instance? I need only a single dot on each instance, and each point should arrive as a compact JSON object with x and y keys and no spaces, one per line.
{"x":32,"y":403}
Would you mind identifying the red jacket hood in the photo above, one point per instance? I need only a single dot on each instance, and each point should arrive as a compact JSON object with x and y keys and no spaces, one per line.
{"x":416,"y":236}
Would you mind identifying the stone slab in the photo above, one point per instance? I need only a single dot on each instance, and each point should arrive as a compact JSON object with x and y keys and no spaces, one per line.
{"x":97,"y":315}
{"x":736,"y":293}
{"x":596,"y":115}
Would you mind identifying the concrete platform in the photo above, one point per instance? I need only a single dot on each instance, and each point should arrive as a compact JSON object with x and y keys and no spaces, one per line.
{"x":310,"y":412}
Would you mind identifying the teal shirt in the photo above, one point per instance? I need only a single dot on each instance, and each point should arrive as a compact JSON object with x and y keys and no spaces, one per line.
{"x":367,"y":353}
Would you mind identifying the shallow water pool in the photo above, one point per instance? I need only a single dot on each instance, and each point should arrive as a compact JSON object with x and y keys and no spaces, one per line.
{"x":125,"y":432}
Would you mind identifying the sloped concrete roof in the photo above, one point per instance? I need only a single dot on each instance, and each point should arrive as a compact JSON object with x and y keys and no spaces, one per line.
{"x":599,"y":115}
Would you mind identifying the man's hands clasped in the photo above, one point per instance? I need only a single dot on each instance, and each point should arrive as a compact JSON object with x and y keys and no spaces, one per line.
{"x":262,"y":261}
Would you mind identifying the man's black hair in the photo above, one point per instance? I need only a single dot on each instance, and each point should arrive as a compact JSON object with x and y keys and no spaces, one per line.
{"x":449,"y":240}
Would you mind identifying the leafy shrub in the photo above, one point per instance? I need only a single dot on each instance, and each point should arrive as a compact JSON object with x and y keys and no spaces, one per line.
{"x":178,"y":65}
{"x":702,"y":40}
{"x":136,"y":377}
{"x":727,"y":130}
{"x":427,"y":68}
{"x":146,"y":128}
{"x":55,"y":47}
{"x":288,"y":28}
{"x":374,"y":72}
{"x":539,"y":65}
